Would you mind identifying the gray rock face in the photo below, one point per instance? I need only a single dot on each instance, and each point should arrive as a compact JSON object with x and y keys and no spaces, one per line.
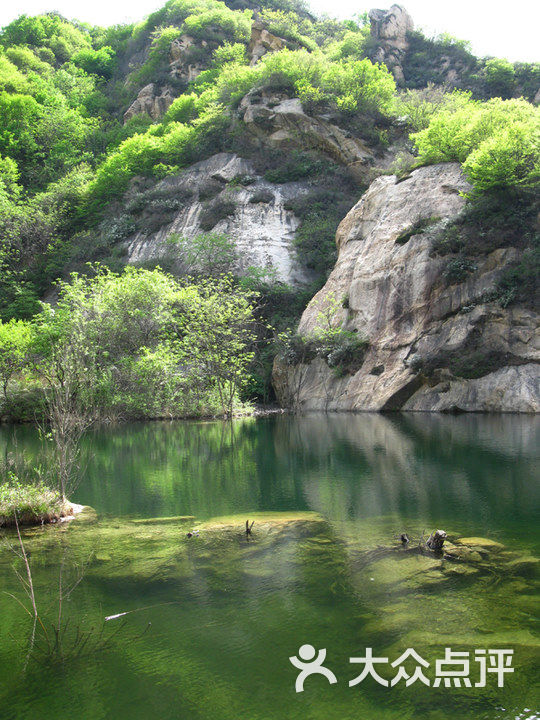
{"x":389,"y":30}
{"x":262,"y":228}
{"x":150,"y":102}
{"x":262,"y":42}
{"x":154,"y":99}
{"x":180,"y":66}
{"x":279,"y":120}
{"x":414,"y":321}
{"x":391,"y":26}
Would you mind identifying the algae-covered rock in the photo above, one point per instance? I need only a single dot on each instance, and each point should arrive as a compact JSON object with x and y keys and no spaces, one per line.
{"x":526,"y":566}
{"x":463,"y":553}
{"x":479,"y":542}
{"x":218,"y":556}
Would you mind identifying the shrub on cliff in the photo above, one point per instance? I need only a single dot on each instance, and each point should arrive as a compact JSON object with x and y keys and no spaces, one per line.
{"x":497,"y":142}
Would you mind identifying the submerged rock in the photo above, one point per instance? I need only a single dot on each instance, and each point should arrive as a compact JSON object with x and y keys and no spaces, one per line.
{"x":491,"y":545}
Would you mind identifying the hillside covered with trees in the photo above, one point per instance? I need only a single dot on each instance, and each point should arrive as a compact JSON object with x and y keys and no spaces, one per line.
{"x":103,"y":130}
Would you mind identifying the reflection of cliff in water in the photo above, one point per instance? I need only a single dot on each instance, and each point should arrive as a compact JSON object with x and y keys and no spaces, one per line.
{"x":473,"y":468}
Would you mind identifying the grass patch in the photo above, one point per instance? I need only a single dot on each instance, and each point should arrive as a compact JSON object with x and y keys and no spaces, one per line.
{"x":31,"y":504}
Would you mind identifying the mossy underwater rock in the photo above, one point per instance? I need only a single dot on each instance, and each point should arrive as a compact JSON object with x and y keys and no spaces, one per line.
{"x":218,"y":553}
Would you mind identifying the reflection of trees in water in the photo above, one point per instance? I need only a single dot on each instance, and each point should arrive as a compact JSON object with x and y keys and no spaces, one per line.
{"x":475,"y":468}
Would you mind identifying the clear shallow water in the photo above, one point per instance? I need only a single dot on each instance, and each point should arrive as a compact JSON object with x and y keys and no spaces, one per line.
{"x":223,"y":615}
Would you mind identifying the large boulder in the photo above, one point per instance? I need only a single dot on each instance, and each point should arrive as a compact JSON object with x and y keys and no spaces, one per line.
{"x":388,"y":287}
{"x":280,"y":121}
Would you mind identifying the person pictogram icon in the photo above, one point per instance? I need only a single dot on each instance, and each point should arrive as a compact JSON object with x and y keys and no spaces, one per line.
{"x":309,"y":665}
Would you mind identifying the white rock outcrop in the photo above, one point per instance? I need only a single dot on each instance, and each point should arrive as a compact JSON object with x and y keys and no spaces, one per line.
{"x":389,"y":29}
{"x":260,"y":225}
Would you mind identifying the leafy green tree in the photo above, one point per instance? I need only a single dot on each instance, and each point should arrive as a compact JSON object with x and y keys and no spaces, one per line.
{"x":218,"y":322}
{"x":207,"y":255}
{"x":50,"y":31}
{"x":142,"y":343}
{"x":497,"y":142}
{"x":15,"y":341}
{"x":508,"y":159}
{"x":500,"y":78}
{"x":95,"y":62}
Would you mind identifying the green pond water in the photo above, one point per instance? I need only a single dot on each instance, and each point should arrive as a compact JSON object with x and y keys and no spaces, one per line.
{"x":212,"y":620}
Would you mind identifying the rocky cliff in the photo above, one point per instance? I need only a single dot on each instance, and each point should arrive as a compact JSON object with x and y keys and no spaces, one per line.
{"x":424,"y":330}
{"x":389,"y":33}
{"x":223,"y":195}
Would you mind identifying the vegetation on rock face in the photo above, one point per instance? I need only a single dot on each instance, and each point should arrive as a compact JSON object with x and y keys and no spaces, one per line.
{"x":341,"y":349}
{"x":497,"y":142}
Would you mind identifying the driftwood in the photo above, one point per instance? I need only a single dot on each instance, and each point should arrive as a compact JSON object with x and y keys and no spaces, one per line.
{"x":436,"y":540}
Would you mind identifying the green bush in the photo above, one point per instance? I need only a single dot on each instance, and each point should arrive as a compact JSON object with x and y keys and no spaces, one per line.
{"x":342,"y":350}
{"x":320,"y":212}
{"x":427,"y":60}
{"x":487,"y":223}
{"x":214,"y":212}
{"x":158,"y":59}
{"x":296,"y":165}
{"x":496,"y":141}
{"x":219,"y":23}
{"x":520,"y":283}
{"x":500,"y":78}
{"x":95,"y":62}
{"x":458,"y":270}
{"x":262,"y":196}
{"x":417,"y":228}
{"x":46,"y":31}
{"x":477,"y":363}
